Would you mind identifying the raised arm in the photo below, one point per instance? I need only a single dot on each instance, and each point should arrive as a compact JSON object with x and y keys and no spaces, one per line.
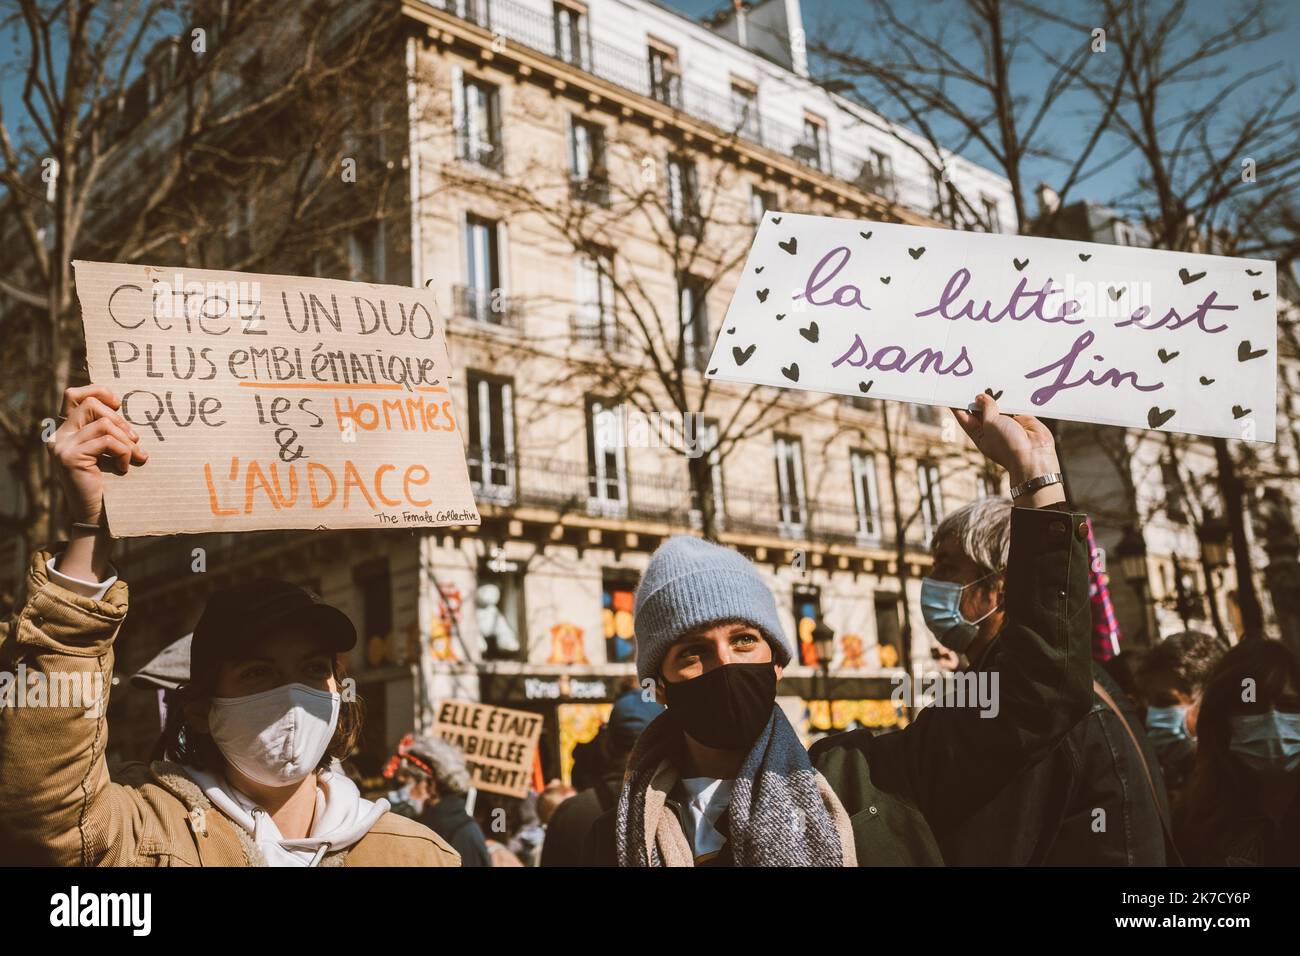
{"x":56,"y":802}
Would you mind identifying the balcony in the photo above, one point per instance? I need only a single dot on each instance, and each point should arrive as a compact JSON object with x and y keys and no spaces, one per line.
{"x":537,"y":31}
{"x":593,"y":189}
{"x":598,"y":331}
{"x":491,"y":307}
{"x":473,"y":146}
{"x":567,"y":486}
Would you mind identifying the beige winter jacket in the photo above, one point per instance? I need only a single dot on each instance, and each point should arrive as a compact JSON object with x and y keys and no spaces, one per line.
{"x":57,"y":803}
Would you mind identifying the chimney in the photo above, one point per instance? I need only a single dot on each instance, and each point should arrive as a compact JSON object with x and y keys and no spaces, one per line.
{"x":742,"y":34}
{"x":1048,"y":200}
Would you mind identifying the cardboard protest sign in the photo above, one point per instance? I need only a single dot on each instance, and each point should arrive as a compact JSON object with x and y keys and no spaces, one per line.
{"x":271,"y":401}
{"x":498,"y":743}
{"x":1074,"y":330}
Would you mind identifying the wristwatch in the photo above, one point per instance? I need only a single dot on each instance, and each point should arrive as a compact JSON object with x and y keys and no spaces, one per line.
{"x":1033,"y":484}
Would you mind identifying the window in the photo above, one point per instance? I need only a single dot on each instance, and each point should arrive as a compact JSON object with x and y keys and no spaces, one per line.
{"x":491,"y":452}
{"x":760,"y":201}
{"x":606,"y":462}
{"x":705,"y":438}
{"x":1175,"y":493}
{"x":889,"y":630}
{"x":813,"y":149}
{"x":366,"y":253}
{"x":693,"y":321}
{"x":924,"y":414}
{"x":683,"y":196}
{"x":927,"y":478}
{"x":1124,"y":235}
{"x":866,"y":499}
{"x":570,"y":35}
{"x":596,"y":321}
{"x":499,"y":610}
{"x":745,"y":119}
{"x":792,"y":508}
{"x":878,"y":174}
{"x":373,"y":581}
{"x":479,"y":124}
{"x":665,"y":75}
{"x":481,"y":298}
{"x":587,"y":162}
{"x":807,"y":615}
{"x":618,"y":598}
{"x":476,"y":11}
{"x":942,"y":196}
{"x":992,"y":221}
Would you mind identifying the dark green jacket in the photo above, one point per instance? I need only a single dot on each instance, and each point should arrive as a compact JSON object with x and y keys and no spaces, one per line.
{"x":899,"y":787}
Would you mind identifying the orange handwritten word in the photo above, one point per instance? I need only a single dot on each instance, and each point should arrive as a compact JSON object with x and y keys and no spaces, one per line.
{"x":400,"y":414}
{"x":252,"y":487}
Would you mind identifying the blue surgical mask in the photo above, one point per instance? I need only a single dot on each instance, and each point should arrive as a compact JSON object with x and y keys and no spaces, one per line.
{"x":1266,"y":743}
{"x":1166,"y":725}
{"x":941,"y":608}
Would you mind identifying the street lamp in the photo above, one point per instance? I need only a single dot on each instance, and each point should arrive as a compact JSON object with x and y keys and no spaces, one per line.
{"x":823,"y":641}
{"x":1132,"y":554}
{"x":1213,"y":535}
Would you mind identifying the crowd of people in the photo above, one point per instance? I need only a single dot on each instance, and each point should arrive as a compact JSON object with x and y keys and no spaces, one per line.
{"x":1190,"y":754}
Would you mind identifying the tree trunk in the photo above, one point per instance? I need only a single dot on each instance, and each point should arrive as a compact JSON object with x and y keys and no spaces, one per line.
{"x":1234,"y":509}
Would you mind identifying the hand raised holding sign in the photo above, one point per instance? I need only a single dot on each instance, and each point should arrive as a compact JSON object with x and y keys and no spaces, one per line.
{"x":92,"y":429}
{"x":1019,"y":443}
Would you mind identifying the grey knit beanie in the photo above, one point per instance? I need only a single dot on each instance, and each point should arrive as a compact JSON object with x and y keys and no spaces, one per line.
{"x":691,"y":582}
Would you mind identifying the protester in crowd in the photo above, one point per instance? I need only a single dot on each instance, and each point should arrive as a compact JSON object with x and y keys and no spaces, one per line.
{"x":1122,"y":670}
{"x":1170,"y":679}
{"x":1096,"y":799}
{"x":250,"y":744}
{"x":721,"y":778}
{"x":500,"y":818}
{"x":1242,"y":805}
{"x":440,"y":787}
{"x":572,"y":821}
{"x":556,"y":794}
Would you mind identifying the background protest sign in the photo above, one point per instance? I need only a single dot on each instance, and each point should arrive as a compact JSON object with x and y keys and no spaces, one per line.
{"x":1074,"y":330}
{"x":498,"y":743}
{"x":274,"y":402}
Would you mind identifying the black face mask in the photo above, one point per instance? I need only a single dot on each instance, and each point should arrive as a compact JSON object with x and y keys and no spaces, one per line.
{"x":727,"y":707}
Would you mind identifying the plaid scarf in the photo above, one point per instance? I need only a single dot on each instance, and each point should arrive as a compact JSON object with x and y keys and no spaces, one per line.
{"x":782,"y":811}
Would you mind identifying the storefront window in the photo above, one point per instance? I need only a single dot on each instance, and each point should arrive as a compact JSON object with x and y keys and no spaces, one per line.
{"x":617,"y":599}
{"x":807,"y":614}
{"x":499,"y":610}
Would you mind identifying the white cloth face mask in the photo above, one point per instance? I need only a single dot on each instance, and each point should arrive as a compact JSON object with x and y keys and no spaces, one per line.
{"x":276,"y":737}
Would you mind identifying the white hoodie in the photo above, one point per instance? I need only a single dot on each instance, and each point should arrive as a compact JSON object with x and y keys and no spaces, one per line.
{"x":342,"y":817}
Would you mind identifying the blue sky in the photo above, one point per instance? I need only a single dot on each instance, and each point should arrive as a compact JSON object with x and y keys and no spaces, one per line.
{"x":846,"y":17}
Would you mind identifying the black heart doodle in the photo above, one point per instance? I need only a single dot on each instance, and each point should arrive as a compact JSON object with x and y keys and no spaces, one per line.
{"x":866,"y":235}
{"x":1207,"y":381}
{"x":1254,"y":272}
{"x":916,"y":253}
{"x":1259,"y":295}
{"x":1085,"y":256}
{"x":1167,"y":357}
{"x":1020,"y":264}
{"x":885,"y":279}
{"x":1244,"y":354}
{"x":866,"y":386}
{"x":792,"y":372}
{"x":713,"y":371}
{"x":742,"y":355}
{"x":777,"y":220}
{"x":1188,"y":277}
{"x":790,"y":245}
{"x":762,"y":295}
{"x":731,"y":331}
{"x":780,"y":316}
{"x":1156,"y":418}
{"x":992,"y":394}
{"x":811,"y":333}
{"x":1116,"y":293}
{"x":758,"y":269}
{"x":1239,"y":412}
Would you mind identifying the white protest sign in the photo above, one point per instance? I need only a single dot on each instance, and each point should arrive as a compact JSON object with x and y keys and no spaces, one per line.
{"x":270,"y":401}
{"x":1073,"y":330}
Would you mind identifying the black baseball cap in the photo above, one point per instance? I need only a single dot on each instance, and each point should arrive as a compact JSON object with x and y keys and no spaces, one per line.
{"x":237,"y":620}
